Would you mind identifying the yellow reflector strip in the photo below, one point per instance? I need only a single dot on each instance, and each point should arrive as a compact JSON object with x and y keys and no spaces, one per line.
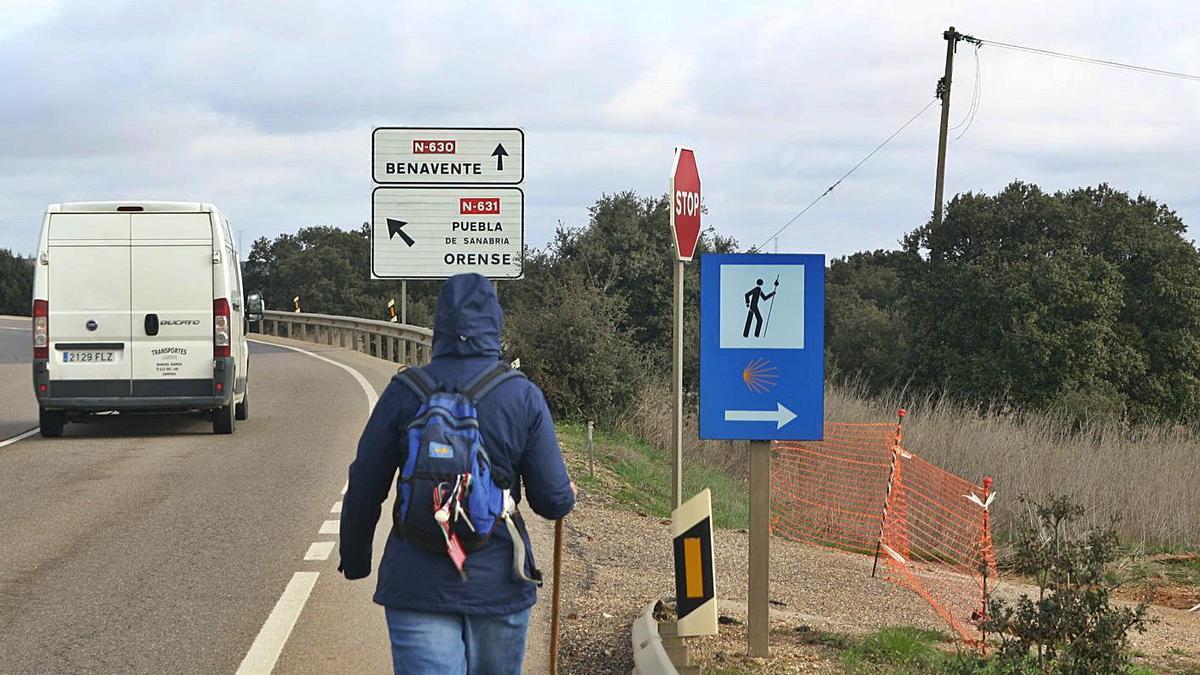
{"x":693,"y":569}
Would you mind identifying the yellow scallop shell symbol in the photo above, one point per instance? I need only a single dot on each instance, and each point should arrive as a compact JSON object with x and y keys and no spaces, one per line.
{"x":760,"y":376}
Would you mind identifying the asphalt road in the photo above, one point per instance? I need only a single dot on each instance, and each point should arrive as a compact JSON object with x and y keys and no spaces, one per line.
{"x":149,"y":545}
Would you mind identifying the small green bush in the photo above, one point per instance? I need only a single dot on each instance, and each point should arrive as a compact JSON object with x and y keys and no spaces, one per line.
{"x":1071,"y":627}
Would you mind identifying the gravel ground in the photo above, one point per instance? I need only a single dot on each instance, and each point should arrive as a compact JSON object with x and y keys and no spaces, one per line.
{"x":618,"y":561}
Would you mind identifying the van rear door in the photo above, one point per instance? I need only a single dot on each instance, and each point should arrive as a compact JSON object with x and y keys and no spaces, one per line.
{"x":88,"y":296}
{"x":171,"y":297}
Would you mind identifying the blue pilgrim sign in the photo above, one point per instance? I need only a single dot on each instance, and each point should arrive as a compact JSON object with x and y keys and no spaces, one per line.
{"x":762,"y":347}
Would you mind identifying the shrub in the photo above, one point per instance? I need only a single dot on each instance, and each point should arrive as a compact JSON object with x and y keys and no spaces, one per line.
{"x":572,"y":348}
{"x":1071,"y":628}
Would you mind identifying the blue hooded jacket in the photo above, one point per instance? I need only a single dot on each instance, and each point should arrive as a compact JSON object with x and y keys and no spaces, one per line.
{"x":518,"y":434}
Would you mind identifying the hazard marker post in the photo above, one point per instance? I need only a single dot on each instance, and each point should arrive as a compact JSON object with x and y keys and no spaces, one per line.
{"x":762,"y":380}
{"x":695,"y":581}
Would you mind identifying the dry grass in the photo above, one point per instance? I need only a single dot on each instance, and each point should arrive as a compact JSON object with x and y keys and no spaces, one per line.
{"x":650,"y":420}
{"x":1147,"y":477}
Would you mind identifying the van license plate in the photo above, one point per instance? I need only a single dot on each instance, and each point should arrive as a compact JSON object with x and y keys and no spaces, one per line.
{"x":90,"y":357}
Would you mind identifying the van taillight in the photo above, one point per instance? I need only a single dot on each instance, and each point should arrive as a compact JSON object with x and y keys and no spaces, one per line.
{"x":221,"y":340}
{"x":41,"y":329}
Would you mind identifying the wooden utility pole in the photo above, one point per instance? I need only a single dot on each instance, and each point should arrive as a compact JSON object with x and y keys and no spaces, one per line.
{"x":943,"y":92}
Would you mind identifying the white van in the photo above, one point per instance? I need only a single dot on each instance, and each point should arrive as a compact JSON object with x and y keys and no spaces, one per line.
{"x":137,"y":306}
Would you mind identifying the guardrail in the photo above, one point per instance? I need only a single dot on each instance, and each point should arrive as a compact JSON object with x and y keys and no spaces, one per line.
{"x":394,"y":342}
{"x":649,"y":653}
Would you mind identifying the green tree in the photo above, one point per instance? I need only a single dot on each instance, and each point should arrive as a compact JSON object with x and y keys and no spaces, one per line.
{"x":1087,"y":301}
{"x":328,"y":268}
{"x":627,"y":248}
{"x":16,"y":284}
{"x":866,"y":323}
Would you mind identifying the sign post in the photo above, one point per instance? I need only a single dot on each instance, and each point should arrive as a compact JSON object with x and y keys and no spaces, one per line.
{"x":449,"y":201}
{"x":759,"y":594}
{"x":684,"y":194}
{"x":762,"y":378}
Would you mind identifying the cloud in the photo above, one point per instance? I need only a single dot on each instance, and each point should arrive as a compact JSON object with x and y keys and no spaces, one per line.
{"x":266,"y":108}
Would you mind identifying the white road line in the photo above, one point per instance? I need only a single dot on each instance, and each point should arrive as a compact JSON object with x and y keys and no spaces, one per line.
{"x":319,"y":550}
{"x":337,"y":508}
{"x":267,"y":647}
{"x":19,"y":437}
{"x":347,"y":485}
{"x":372,"y":397}
{"x":11,"y":328}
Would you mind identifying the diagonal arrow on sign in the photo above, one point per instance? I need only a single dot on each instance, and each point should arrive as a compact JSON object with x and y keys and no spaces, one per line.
{"x":394,"y":228}
{"x":780,"y":416}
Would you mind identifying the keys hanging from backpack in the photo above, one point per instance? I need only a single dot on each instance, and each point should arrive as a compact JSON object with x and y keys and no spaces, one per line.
{"x":441,"y":515}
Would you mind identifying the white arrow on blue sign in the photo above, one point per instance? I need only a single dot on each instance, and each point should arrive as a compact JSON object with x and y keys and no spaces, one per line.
{"x":780,"y":416}
{"x":762,"y":347}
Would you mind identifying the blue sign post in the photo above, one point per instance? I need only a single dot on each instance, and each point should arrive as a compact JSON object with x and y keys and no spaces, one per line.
{"x":762,"y":378}
{"x":762,"y":347}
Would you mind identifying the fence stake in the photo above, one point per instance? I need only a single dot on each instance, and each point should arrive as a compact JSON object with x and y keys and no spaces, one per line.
{"x":591,"y":452}
{"x":887,"y":498}
{"x":986,"y":551}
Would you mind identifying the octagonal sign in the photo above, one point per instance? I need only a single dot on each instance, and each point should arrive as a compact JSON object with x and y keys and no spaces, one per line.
{"x":685,"y":203}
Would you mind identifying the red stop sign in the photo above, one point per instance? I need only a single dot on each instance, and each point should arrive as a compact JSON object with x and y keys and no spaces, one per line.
{"x":685,"y":203}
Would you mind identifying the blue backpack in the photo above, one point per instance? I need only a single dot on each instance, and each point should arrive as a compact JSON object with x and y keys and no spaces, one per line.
{"x":450,"y":496}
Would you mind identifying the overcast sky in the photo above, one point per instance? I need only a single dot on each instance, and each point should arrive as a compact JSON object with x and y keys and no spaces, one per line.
{"x":266,"y":108}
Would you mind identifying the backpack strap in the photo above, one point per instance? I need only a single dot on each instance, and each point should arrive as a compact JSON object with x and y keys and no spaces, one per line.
{"x":517,"y":532}
{"x":489,"y":379}
{"x":418,"y":381}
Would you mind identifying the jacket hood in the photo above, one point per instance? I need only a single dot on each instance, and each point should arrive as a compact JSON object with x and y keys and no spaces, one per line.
{"x":468,"y":319}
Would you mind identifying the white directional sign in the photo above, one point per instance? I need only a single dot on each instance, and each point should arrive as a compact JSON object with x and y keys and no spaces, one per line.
{"x":423,"y":156}
{"x":437,"y":232}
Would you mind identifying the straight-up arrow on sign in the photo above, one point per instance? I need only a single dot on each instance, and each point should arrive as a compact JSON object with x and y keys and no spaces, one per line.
{"x":499,"y":153}
{"x":780,"y":416}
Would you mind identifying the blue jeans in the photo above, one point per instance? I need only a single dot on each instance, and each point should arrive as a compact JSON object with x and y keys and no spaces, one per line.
{"x":425,"y":643}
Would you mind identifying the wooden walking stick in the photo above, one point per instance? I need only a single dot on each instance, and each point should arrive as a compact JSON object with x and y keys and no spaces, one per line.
{"x":557,"y":593}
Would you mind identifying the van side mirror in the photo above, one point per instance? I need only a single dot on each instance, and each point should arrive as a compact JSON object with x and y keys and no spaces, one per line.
{"x":254,"y":306}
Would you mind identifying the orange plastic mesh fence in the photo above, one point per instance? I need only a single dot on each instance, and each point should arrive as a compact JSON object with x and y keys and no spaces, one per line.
{"x":860,"y":490}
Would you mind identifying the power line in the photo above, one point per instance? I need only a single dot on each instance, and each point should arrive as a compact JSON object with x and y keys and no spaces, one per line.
{"x":1098,"y":62}
{"x":847,"y":174}
{"x":976,"y":99}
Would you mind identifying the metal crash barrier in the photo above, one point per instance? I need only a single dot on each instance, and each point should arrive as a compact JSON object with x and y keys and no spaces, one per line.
{"x":649,"y":655}
{"x":393,"y":342}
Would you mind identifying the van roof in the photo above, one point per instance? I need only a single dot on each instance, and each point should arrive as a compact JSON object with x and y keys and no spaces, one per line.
{"x":113,"y":207}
